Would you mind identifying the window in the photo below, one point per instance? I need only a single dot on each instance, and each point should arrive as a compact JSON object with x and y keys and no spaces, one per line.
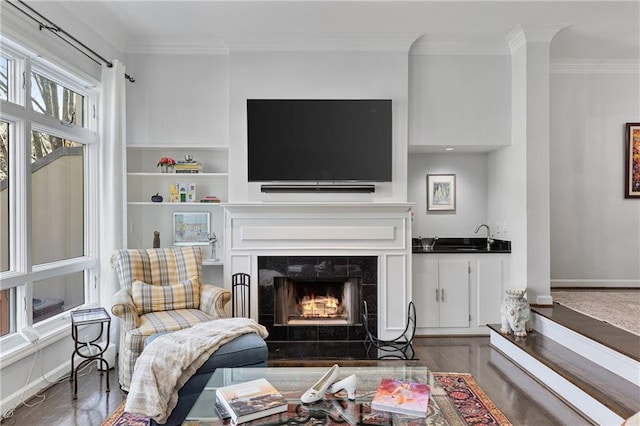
{"x":57,"y":198}
{"x":58,"y":294}
{"x":55,"y":100}
{"x":4,"y":79}
{"x":48,"y":184}
{"x":4,"y":196}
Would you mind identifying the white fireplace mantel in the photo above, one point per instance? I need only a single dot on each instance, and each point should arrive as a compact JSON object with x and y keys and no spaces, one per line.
{"x":326,"y":229}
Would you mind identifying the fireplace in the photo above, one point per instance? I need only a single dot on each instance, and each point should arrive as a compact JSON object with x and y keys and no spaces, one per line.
{"x":316,"y":298}
{"x":317,"y":301}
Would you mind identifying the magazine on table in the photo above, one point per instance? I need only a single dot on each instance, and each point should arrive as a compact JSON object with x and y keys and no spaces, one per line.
{"x":251,"y":400}
{"x":402,"y":397}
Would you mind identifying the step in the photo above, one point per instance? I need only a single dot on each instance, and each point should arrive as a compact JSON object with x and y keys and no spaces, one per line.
{"x":608,"y":346}
{"x":591,"y":389}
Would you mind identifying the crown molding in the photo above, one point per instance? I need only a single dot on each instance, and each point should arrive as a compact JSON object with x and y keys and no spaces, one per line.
{"x":519,"y":36}
{"x":142,"y":47}
{"x":595,"y":66}
{"x":287,"y":42}
{"x":459,"y":45}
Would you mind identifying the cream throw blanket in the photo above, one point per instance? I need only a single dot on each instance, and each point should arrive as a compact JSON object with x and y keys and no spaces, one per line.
{"x":169,"y":361}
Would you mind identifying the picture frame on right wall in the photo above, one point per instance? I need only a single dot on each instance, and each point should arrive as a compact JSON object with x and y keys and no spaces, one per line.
{"x":441,"y":192}
{"x":632,"y":161}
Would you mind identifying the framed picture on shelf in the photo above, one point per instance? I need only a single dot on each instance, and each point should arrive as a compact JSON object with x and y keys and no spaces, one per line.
{"x":191,"y":228}
{"x":441,"y":192}
{"x":632,"y":161}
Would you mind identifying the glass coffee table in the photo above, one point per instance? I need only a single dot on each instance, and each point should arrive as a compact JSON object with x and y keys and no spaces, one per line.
{"x":292,"y":382}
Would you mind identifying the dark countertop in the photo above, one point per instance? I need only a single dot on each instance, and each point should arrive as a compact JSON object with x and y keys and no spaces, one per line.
{"x":463,"y":245}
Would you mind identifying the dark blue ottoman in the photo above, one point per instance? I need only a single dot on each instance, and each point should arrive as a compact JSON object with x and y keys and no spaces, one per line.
{"x":248,"y":350}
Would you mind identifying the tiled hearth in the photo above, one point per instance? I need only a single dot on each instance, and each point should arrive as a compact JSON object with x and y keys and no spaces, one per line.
{"x":361,"y":269}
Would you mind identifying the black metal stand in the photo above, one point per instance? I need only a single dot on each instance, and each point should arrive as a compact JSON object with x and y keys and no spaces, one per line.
{"x":83,"y":317}
{"x":399,"y":348}
{"x":241,"y":295}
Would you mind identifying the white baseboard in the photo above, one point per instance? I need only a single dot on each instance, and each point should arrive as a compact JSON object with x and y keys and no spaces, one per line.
{"x":584,"y":403}
{"x":593,"y":283}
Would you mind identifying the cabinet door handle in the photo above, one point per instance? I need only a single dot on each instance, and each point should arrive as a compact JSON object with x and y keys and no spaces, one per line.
{"x":437,"y":295}
{"x":442,"y":294}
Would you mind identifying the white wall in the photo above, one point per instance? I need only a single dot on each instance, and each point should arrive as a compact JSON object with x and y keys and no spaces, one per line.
{"x":471,"y":198}
{"x":324,"y":75}
{"x":595,"y":231}
{"x":459,"y":100}
{"x":178,"y":100}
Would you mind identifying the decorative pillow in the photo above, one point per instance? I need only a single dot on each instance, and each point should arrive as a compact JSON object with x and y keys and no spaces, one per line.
{"x":154,"y":298}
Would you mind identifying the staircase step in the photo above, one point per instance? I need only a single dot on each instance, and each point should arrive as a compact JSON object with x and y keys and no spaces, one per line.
{"x":593,"y":390}
{"x":599,"y":331}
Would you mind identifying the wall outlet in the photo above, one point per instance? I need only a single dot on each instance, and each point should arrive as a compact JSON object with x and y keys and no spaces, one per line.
{"x":498,"y":228}
{"x":30,"y":334}
{"x":505,"y":229}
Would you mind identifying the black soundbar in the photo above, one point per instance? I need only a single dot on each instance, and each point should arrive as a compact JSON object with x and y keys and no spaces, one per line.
{"x":318,"y":188}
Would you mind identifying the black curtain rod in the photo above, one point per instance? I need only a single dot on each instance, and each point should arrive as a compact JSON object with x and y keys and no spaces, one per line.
{"x":57,"y":30}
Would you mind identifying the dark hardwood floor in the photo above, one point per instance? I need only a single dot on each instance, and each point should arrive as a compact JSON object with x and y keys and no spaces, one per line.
{"x":523,"y":400}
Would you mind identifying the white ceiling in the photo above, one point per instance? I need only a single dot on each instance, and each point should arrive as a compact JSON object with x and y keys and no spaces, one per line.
{"x":593,"y":31}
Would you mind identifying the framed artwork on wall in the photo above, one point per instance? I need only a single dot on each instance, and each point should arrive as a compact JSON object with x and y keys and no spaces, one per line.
{"x":632,"y":161}
{"x":441,"y":192}
{"x":191,"y":229}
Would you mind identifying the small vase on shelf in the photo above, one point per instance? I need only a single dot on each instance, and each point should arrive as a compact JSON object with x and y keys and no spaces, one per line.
{"x":213,"y":239}
{"x":166,"y":164}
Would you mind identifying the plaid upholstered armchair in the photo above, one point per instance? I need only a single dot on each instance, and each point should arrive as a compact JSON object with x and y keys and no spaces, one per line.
{"x":160,"y":292}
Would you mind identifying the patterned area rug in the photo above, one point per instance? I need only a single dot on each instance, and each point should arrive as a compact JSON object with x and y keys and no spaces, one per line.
{"x":617,"y":307}
{"x":460,"y":401}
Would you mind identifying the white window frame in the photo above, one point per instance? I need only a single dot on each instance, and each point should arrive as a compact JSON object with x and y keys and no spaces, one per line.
{"x":22,"y":120}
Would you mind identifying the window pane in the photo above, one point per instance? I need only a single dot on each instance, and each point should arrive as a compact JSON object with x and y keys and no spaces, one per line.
{"x":4,"y":196}
{"x":52,"y":99}
{"x":55,"y":295}
{"x":4,"y":78}
{"x":57,"y":197}
{"x":7,"y":310}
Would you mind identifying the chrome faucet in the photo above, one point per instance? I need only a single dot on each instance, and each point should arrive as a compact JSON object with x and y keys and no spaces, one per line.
{"x":489,"y":235}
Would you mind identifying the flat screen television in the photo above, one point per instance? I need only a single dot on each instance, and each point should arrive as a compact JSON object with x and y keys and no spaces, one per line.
{"x":319,"y":140}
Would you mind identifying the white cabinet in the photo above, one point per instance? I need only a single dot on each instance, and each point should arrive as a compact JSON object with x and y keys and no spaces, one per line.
{"x":441,"y":292}
{"x":489,"y":280}
{"x":458,"y":293}
{"x":144,"y":179}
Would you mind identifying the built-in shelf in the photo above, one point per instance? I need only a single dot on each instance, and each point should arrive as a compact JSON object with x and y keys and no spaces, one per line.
{"x":221,"y":147}
{"x":144,"y":179}
{"x":180,"y":175}
{"x":151,"y":203}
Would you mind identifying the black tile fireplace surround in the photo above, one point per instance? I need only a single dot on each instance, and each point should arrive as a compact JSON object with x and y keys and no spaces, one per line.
{"x":294,"y":338}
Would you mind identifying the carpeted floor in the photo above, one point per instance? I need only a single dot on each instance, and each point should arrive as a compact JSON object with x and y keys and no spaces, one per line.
{"x":617,"y":307}
{"x":459,"y":401}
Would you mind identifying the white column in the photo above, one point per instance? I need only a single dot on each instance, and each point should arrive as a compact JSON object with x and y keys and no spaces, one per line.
{"x":531,"y":264}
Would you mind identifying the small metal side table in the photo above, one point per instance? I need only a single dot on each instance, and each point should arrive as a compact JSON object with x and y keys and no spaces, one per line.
{"x":89,"y":350}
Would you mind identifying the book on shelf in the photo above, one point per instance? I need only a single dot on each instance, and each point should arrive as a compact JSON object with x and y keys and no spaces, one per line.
{"x":402,"y":397}
{"x":185,"y":167}
{"x":210,"y":199}
{"x":251,"y":400}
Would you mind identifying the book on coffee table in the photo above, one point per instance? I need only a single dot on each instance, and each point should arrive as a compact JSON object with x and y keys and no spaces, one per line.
{"x":251,"y":400}
{"x":402,"y":397}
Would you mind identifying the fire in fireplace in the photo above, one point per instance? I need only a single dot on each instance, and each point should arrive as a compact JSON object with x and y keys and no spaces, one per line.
{"x":317,"y":301}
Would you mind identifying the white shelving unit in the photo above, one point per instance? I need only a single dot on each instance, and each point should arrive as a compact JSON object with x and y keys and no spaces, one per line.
{"x":144,"y":180}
